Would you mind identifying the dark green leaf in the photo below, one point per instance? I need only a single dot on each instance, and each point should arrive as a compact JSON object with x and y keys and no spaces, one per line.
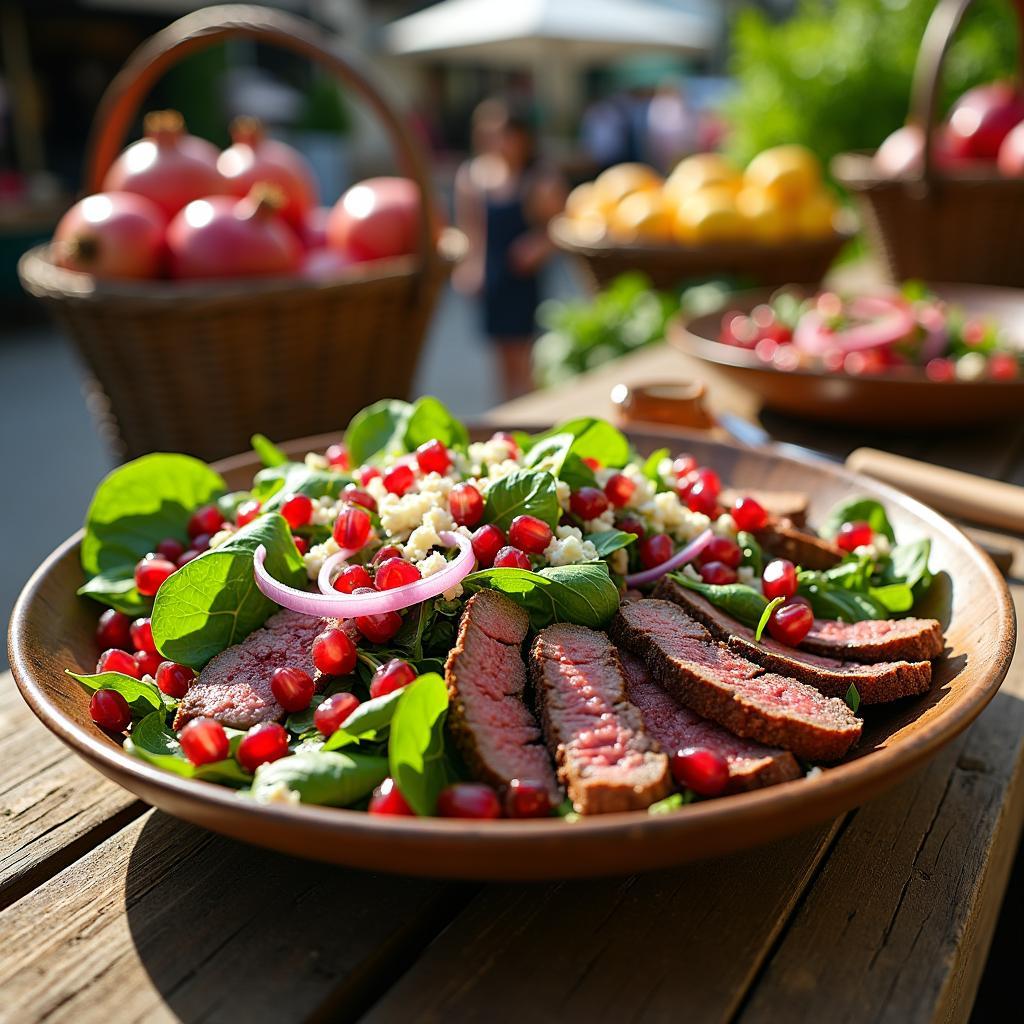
{"x":151,"y":740}
{"x":319,"y":777}
{"x":607,"y":541}
{"x":652,"y":464}
{"x":908,"y":563}
{"x":212,"y":602}
{"x":752,"y":554}
{"x":366,"y":722}
{"x":736,"y":599}
{"x":269,"y":453}
{"x":274,"y":485}
{"x":377,"y":430}
{"x":116,"y":589}
{"x":766,"y":615}
{"x":430,"y":420}
{"x":852,"y":698}
{"x":143,"y":697}
{"x":529,"y":492}
{"x":833,"y":601}
{"x":416,"y":748}
{"x":854,"y":510}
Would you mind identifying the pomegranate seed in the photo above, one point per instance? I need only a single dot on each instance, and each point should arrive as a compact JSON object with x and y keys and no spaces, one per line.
{"x":334,"y":654}
{"x":204,"y":741}
{"x":174,"y":679}
{"x":468,"y":800}
{"x":779,"y":579}
{"x":352,"y":527}
{"x":854,"y":535}
{"x":378,"y":629}
{"x":351,"y":579}
{"x":114,"y":630}
{"x":150,"y":573}
{"x":149,"y":663}
{"x":396,"y":572}
{"x":587,"y":503}
{"x":398,"y":480}
{"x":201,"y":542}
{"x":206,"y":519}
{"x":384,"y":553}
{"x":619,"y":489}
{"x":684,"y":465}
{"x":630,"y":524}
{"x":109,"y":710}
{"x":247,"y":512}
{"x":292,"y":688}
{"x":709,"y":478}
{"x":718,"y":573}
{"x":528,"y":533}
{"x":511,"y":558}
{"x":510,"y":442}
{"x":433,"y":457}
{"x":334,"y":712}
{"x":704,"y":771}
{"x":356,"y":496}
{"x":466,"y":504}
{"x":391,"y":676}
{"x":170,"y":548}
{"x":142,"y":636}
{"x":367,"y":473}
{"x":791,"y":622}
{"x":526,"y":799}
{"x":187,"y":556}
{"x":263,"y":743}
{"x":301,"y":545}
{"x":701,"y":499}
{"x":487,"y":542}
{"x":591,"y":462}
{"x":655,"y":549}
{"x":749,"y":514}
{"x":116,"y":660}
{"x":387,"y":799}
{"x":337,"y":456}
{"x":297,"y":510}
{"x":721,"y":549}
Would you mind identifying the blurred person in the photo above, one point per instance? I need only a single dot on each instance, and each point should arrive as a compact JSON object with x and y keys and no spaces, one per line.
{"x":673,"y":126}
{"x":503,"y":202}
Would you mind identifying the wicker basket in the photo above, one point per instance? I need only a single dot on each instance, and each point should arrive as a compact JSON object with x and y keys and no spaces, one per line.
{"x":200,"y":367}
{"x":961,"y":226}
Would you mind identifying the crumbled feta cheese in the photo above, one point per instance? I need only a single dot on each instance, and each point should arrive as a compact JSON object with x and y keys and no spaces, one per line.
{"x":605,"y":521}
{"x":568,"y":547}
{"x":315,"y":557}
{"x":813,"y":773}
{"x":401,"y":515}
{"x":376,"y":489}
{"x":747,"y":575}
{"x":688,"y":570}
{"x":603,"y":475}
{"x":619,"y":562}
{"x":434,"y":563}
{"x":665,"y":469}
{"x":564,"y":493}
{"x":223,"y":534}
{"x":500,"y":470}
{"x":644,"y":489}
{"x":489,"y":453}
{"x":724,"y":526}
{"x":314,"y":460}
{"x":971,"y":366}
{"x":278,"y":793}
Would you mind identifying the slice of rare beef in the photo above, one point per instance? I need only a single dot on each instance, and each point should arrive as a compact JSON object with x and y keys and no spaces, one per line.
{"x":234,"y":687}
{"x":782,"y":539}
{"x":605,"y":757}
{"x":751,"y":764}
{"x":719,"y":684}
{"x":495,"y":731}
{"x":876,"y":683}
{"x":876,"y":639}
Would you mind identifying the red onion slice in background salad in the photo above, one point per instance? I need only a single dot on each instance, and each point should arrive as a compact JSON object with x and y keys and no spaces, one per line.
{"x":890,"y":321}
{"x":681,"y":557}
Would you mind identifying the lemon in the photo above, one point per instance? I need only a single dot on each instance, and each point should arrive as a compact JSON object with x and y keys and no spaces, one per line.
{"x":765,"y":218}
{"x":700,"y":171}
{"x":708,"y":216}
{"x":815,"y":216}
{"x":613,"y":185}
{"x":582,"y":202}
{"x":791,"y":173}
{"x":641,"y":217}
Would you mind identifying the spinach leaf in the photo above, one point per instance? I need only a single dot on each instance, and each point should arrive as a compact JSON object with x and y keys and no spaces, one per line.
{"x":651,"y":467}
{"x":673,"y":802}
{"x":523,"y":492}
{"x":366,"y":722}
{"x":584,"y":594}
{"x":607,"y":541}
{"x":894,"y":597}
{"x":766,"y":615}
{"x":429,"y":419}
{"x":416,"y":747}
{"x":562,"y":461}
{"x":141,"y":696}
{"x":752,"y":554}
{"x":736,"y":599}
{"x":273,"y":485}
{"x":597,"y":439}
{"x":853,"y":510}
{"x":151,"y":740}
{"x":832,"y":601}
{"x":116,"y":589}
{"x":852,"y":698}
{"x":376,"y":430}
{"x":269,"y":453}
{"x":908,"y":564}
{"x":212,"y":602}
{"x":333,"y":779}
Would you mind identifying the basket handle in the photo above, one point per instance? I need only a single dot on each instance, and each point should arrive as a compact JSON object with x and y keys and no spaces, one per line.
{"x":202,"y":29}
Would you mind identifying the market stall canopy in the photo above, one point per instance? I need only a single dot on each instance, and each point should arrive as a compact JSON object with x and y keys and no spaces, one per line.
{"x":585,"y":31}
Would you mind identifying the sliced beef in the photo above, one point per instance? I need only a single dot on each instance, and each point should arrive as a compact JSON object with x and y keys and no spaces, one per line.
{"x":876,"y":683}
{"x":495,"y":731}
{"x":791,"y":505}
{"x":751,"y":764}
{"x":876,"y":639}
{"x":234,"y":687}
{"x":721,"y":685}
{"x":605,"y":757}
{"x":781,"y":539}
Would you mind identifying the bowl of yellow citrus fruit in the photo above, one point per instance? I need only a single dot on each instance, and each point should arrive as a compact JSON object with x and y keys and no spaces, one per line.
{"x":774,"y":222}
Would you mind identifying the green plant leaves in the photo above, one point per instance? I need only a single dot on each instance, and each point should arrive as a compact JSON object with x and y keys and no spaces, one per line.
{"x":430,"y":420}
{"x":142,"y":697}
{"x":328,"y":778}
{"x":766,"y":615}
{"x":151,"y":740}
{"x":376,"y":430}
{"x":523,"y":492}
{"x":213,"y":602}
{"x":116,"y":589}
{"x":269,"y":453}
{"x":853,"y":510}
{"x":366,"y":722}
{"x":607,"y":541}
{"x":416,"y":754}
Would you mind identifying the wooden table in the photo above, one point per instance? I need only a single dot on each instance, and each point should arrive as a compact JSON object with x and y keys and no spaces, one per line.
{"x":110,"y":911}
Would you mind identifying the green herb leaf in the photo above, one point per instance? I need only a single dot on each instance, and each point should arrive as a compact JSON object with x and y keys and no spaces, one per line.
{"x":560,"y":460}
{"x":736,"y":599}
{"x":377,"y":430}
{"x":853,"y":510}
{"x":319,"y":777}
{"x":607,"y":541}
{"x":269,"y":453}
{"x":212,"y":602}
{"x":529,"y":492}
{"x":430,"y":420}
{"x":752,"y":554}
{"x":116,"y":589}
{"x":831,"y":600}
{"x":416,"y":747}
{"x":651,"y":466}
{"x":593,"y":438}
{"x":908,"y":564}
{"x":894,"y":597}
{"x":273,"y":485}
{"x":852,"y":698}
{"x":766,"y":615}
{"x":366,"y":722}
{"x":143,"y":697}
{"x":584,"y":594}
{"x":151,"y":740}
{"x":673,"y":802}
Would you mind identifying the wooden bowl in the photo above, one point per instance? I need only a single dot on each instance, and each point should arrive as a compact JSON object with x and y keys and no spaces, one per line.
{"x":669,"y":264}
{"x":52,"y":629}
{"x":900,"y":399}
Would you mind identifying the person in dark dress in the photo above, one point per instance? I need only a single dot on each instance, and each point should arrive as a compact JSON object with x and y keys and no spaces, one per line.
{"x":503,"y":202}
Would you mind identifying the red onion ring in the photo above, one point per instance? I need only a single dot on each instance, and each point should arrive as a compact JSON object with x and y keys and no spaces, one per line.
{"x":348,"y":606}
{"x":681,"y":557}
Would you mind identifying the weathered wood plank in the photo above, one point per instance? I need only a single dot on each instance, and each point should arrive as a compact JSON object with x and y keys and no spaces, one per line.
{"x":676,"y":945}
{"x":53,"y":806}
{"x":165,"y":921}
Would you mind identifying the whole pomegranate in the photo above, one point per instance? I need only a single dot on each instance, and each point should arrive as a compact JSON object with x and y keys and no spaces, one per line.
{"x":225,"y":237}
{"x":111,"y":235}
{"x":982,"y":118}
{"x":375,"y":219}
{"x":253,"y":158}
{"x":167,"y":166}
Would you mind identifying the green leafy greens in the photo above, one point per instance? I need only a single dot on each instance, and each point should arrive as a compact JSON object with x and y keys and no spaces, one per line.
{"x":530,"y":492}
{"x":416,"y":750}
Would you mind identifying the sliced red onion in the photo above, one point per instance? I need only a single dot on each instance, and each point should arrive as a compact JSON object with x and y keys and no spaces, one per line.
{"x":348,"y":606}
{"x":681,"y":557}
{"x":890,"y":322}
